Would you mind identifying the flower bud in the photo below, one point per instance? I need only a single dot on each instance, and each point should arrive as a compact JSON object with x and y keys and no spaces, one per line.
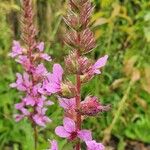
{"x":87,"y":41}
{"x":67,"y":90}
{"x":77,"y":65}
{"x":85,"y":14}
{"x":72,"y":20}
{"x":83,"y":41}
{"x":73,"y":5}
{"x":85,"y":78}
{"x":91,"y":106}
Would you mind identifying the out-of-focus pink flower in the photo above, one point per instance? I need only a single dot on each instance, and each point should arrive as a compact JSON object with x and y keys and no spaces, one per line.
{"x":40,"y":46}
{"x":93,"y":145}
{"x":25,"y":62}
{"x":16,"y":49}
{"x":69,"y":131}
{"x":44,"y":56}
{"x":40,"y":118}
{"x":54,"y":145}
{"x":22,"y":109}
{"x":91,"y":106}
{"x":40,"y":72}
{"x":22,"y":83}
{"x":18,"y":117}
{"x":93,"y":69}
{"x":99,"y":63}
{"x":54,"y":79}
{"x":69,"y":106}
{"x":67,"y":103}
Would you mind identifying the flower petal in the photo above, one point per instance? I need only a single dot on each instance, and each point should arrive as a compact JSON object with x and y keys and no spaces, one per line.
{"x":40,"y":46}
{"x":85,"y":135}
{"x":60,"y":131}
{"x":101,"y":62}
{"x":69,"y":125}
{"x":93,"y":145}
{"x":67,"y":103}
{"x":58,"y":72}
{"x":54,"y":145}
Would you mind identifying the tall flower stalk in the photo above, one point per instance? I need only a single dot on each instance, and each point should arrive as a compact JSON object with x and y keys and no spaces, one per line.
{"x":81,"y":40}
{"x":31,"y":82}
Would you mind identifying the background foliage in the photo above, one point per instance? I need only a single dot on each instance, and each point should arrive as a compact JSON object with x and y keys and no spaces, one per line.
{"x":122,"y":30}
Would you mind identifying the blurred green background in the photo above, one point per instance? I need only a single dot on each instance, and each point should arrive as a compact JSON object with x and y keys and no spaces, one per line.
{"x":122,"y":30}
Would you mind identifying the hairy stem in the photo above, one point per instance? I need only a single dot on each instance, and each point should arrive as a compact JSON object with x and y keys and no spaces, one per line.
{"x":78,"y":100}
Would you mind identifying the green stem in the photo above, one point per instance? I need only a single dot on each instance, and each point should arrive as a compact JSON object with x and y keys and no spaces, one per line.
{"x":35,"y":137}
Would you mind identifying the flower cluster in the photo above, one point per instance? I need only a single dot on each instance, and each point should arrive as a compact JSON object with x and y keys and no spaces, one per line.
{"x":33,"y":104}
{"x":81,"y":40}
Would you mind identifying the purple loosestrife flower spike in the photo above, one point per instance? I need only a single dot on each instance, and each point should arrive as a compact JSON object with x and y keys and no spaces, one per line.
{"x":81,"y":40}
{"x":34,"y":103}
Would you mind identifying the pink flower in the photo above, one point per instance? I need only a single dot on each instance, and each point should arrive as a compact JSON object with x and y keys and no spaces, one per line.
{"x":44,"y":56}
{"x":54,"y":79}
{"x":18,"y":117}
{"x":39,"y":72}
{"x":69,"y":131}
{"x":16,"y":49}
{"x":54,"y":145}
{"x":67,"y":103}
{"x":91,"y":106}
{"x":32,"y":101}
{"x":40,"y":46}
{"x":29,"y":100}
{"x":93,"y":145}
{"x":69,"y":106}
{"x":22,"y":109}
{"x":40,"y":118}
{"x":99,"y":63}
{"x":23,"y":83}
{"x":25,"y":62}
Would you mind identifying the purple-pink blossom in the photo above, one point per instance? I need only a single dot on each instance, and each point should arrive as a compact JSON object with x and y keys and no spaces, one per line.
{"x":34,"y":104}
{"x":40,"y":46}
{"x":69,"y":131}
{"x":54,"y":79}
{"x":93,"y":145}
{"x":40,"y":118}
{"x":98,"y":64}
{"x":16,"y":49}
{"x":54,"y":145}
{"x":67,"y":104}
{"x":22,"y":83}
{"x":42,"y":55}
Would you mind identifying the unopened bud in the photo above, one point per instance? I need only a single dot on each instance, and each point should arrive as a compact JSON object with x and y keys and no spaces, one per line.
{"x":72,"y":20}
{"x":67,"y":90}
{"x":86,"y":11}
{"x":83,"y":41}
{"x":77,"y":65}
{"x":91,"y":107}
